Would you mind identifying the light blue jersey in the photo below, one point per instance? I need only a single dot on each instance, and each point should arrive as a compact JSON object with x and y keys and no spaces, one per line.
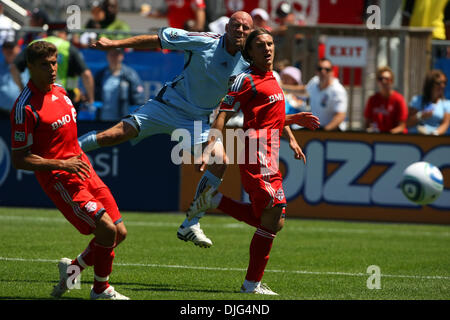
{"x":188,"y":100}
{"x":208,"y":72}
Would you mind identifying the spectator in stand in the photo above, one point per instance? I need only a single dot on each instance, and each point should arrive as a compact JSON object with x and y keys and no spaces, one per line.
{"x":111,"y":22}
{"x":38,"y":19}
{"x":185,"y":14}
{"x":71,"y":66}
{"x":291,"y":83}
{"x":261,"y":19}
{"x":327,"y":97}
{"x":9,"y":91}
{"x":6,"y":28}
{"x":118,"y":87}
{"x":429,"y":113}
{"x":97,"y":16}
{"x":386,"y":110}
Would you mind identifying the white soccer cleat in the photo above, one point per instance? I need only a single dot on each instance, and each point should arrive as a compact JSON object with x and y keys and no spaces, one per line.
{"x":61,"y":287}
{"x":109,"y":294}
{"x":261,"y":288}
{"x":202,"y":203}
{"x":195,"y":234}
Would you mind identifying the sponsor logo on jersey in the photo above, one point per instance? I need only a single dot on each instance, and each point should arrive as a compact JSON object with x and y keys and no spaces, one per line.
{"x":276,"y":97}
{"x":228,"y":100}
{"x":19,"y":136}
{"x":279,"y":194}
{"x":91,"y":206}
{"x":173,"y":34}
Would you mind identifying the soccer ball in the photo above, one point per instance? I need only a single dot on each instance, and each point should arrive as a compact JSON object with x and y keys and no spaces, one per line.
{"x":422,"y":182}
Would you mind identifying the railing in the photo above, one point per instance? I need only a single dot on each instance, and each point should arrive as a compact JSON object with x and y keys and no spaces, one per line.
{"x":406,"y":50}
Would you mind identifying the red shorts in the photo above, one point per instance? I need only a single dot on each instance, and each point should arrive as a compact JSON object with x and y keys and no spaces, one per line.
{"x":83,"y":202}
{"x":265,"y":191}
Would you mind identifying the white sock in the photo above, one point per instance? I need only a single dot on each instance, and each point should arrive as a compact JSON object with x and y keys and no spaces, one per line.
{"x":250,"y":285}
{"x":208,"y":179}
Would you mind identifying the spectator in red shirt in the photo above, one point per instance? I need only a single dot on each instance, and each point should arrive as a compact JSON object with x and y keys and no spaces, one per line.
{"x":182,"y":14}
{"x":386,"y":110}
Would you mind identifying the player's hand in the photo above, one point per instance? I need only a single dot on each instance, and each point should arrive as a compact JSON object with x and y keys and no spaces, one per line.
{"x":103,"y":44}
{"x":298,"y":152}
{"x":77,"y":166}
{"x":304,"y":119}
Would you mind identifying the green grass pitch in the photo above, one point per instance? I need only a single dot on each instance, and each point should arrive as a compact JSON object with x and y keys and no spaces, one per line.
{"x":310,"y":259}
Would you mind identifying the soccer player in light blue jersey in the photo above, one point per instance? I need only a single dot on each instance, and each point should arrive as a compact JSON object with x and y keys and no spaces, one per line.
{"x":212,"y":62}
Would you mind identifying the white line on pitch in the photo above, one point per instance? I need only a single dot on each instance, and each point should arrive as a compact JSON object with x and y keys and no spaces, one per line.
{"x":242,"y":225}
{"x":241,"y":269}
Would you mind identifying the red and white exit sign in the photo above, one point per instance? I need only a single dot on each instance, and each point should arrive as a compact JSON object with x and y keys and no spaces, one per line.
{"x":346,"y":51}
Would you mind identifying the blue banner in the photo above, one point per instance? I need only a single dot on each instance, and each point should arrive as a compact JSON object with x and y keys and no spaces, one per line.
{"x":141,"y":177}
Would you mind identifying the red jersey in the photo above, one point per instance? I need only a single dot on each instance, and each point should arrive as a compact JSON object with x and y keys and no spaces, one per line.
{"x":180,"y":11}
{"x":386,"y":113}
{"x":258,"y":95}
{"x":47,"y":123}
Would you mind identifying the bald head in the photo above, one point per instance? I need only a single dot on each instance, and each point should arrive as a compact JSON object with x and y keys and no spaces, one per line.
{"x":237,"y":29}
{"x":242,"y":15}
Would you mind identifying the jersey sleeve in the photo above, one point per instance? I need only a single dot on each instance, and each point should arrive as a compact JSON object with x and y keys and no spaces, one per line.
{"x":23,"y":121}
{"x":240,"y":92}
{"x":179,"y":39}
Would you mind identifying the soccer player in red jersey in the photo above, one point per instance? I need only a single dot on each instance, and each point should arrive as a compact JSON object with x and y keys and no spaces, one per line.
{"x":257,"y":93}
{"x":44,"y":140}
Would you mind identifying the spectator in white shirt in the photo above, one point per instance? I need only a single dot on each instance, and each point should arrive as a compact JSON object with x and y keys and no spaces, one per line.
{"x":327,"y":97}
{"x":6,"y":28}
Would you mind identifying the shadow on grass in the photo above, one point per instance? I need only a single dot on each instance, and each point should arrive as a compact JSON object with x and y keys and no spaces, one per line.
{"x":166,"y":288}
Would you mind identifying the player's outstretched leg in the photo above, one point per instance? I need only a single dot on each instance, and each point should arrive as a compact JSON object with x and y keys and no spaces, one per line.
{"x":190,"y":228}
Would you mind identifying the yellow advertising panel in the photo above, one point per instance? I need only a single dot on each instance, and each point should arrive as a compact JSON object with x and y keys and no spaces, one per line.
{"x":352,"y":176}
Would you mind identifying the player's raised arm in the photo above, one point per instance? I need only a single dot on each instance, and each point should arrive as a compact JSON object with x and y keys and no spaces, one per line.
{"x":137,"y":42}
{"x":304,"y":119}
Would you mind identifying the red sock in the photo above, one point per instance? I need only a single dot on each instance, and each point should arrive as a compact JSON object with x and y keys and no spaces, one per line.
{"x":259,"y":254}
{"x":238,"y":210}
{"x":103,"y":261}
{"x":86,"y":258}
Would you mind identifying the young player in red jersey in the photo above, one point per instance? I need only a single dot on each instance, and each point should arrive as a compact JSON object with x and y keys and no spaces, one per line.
{"x":44,"y":140}
{"x":257,"y":93}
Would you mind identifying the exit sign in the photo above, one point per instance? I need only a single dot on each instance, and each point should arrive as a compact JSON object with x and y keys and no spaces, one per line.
{"x":346,"y":51}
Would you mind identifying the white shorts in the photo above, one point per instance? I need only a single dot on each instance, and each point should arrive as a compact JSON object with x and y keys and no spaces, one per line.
{"x":155,"y":117}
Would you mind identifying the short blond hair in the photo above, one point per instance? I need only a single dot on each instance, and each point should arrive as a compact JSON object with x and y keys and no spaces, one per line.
{"x":380,"y":71}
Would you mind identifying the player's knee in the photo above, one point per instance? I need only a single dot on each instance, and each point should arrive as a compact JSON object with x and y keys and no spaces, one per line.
{"x":106,"y":231}
{"x":273,"y":219}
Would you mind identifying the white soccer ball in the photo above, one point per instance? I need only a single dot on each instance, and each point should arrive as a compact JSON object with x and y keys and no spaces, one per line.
{"x":422,"y":182}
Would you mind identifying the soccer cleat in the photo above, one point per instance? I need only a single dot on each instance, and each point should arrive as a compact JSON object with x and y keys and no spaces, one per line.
{"x":261,"y":288}
{"x":61,"y":287}
{"x":109,"y":294}
{"x":202,"y":203}
{"x":195,"y":234}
